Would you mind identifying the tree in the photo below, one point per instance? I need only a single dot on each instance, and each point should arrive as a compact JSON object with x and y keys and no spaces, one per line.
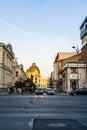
{"x":19,"y":84}
{"x":50,"y":83}
{"x":29,"y":85}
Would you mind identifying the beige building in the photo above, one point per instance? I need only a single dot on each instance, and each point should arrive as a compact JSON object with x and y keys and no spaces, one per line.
{"x":60,"y":56}
{"x":71,"y":70}
{"x":44,"y":83}
{"x":34,"y":73}
{"x":58,"y":64}
{"x":19,"y":73}
{"x":6,"y":66}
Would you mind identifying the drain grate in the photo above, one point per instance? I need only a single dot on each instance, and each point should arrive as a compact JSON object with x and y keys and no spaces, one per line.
{"x":57,"y":124}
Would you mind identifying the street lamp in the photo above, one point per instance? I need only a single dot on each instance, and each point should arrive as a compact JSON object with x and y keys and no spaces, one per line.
{"x":77,"y":52}
{"x":76,"y":48}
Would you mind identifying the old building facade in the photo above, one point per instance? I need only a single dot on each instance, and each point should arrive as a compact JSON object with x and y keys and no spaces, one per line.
{"x":34,"y":73}
{"x":58,"y":64}
{"x":70,"y":75}
{"x":6,"y":66}
{"x":44,"y":83}
{"x":19,"y":73}
{"x":70,"y":70}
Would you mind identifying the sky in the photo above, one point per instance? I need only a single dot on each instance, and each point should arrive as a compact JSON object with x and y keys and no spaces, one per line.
{"x":39,"y":29}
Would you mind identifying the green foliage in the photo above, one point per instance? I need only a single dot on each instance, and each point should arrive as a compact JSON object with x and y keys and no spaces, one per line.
{"x":28,"y":83}
{"x":50,"y":83}
{"x":19,"y":84}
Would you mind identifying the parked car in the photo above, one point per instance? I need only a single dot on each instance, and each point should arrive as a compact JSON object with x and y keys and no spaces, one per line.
{"x":46,"y":90}
{"x":79,"y":91}
{"x":51,"y":91}
{"x":39,"y":91}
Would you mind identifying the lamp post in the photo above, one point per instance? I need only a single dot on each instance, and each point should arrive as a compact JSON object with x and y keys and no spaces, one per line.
{"x":77,"y":52}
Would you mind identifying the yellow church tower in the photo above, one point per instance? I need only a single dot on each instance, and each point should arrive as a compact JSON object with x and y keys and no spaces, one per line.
{"x":34,"y":73}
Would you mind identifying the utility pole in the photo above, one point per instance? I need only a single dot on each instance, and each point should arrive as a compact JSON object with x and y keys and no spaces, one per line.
{"x":77,"y":52}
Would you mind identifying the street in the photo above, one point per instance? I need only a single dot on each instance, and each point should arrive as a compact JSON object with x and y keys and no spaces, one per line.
{"x":21,"y":111}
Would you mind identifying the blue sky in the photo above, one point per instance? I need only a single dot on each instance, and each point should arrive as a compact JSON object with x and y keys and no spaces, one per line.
{"x":39,"y":29}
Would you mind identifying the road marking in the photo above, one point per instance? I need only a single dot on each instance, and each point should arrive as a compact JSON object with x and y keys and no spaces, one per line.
{"x":57,"y":125}
{"x":30,"y":124}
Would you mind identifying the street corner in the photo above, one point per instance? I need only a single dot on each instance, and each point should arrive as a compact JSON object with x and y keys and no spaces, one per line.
{"x":57,"y":124}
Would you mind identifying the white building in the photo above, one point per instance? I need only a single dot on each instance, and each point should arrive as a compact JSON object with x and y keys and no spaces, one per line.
{"x":74,"y":72}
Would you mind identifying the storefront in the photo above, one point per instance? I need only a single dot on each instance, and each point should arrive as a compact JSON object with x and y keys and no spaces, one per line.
{"x":74,"y":76}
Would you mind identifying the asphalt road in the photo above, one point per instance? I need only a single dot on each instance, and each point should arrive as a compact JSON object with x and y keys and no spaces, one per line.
{"x":24,"y":112}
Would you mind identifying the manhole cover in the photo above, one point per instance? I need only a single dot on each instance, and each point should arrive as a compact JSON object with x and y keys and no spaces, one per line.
{"x":57,"y":124}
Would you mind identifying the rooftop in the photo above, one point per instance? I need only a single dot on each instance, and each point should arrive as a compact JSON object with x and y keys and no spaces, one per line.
{"x":64,"y":55}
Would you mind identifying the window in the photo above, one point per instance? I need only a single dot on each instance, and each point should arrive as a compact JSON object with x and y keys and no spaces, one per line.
{"x":16,"y":73}
{"x":73,"y":70}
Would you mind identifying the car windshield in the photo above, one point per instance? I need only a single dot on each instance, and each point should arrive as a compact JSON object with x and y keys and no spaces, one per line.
{"x":50,"y":89}
{"x":39,"y":89}
{"x":82,"y":89}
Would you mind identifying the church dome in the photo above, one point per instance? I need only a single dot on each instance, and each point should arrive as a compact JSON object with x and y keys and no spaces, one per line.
{"x":34,"y":73}
{"x":33,"y":68}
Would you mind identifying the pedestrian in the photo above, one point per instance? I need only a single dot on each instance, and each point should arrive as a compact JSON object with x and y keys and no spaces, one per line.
{"x":74,"y":85}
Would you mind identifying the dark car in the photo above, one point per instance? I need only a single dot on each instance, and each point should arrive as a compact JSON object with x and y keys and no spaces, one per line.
{"x":39,"y":91}
{"x":79,"y":91}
